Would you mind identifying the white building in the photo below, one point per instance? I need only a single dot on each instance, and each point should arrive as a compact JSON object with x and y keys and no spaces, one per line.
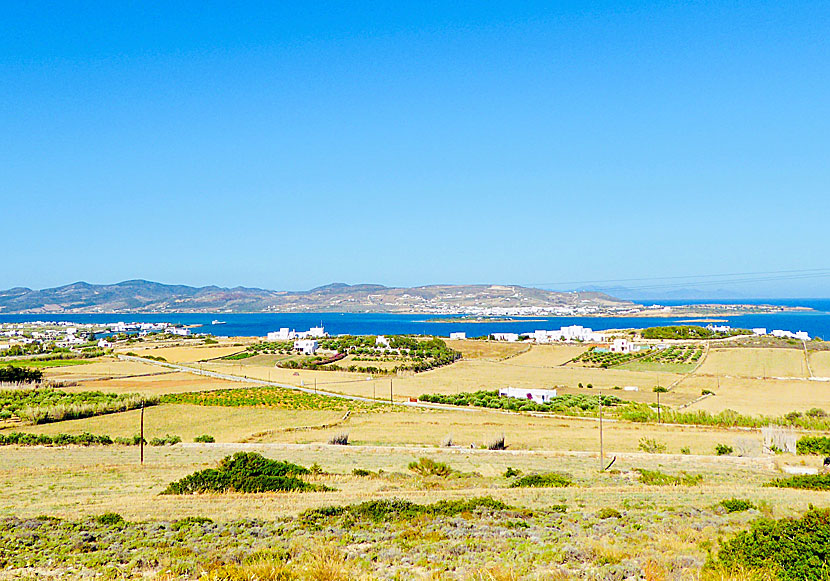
{"x":536,"y":395}
{"x":511,"y":337}
{"x":458,"y":335}
{"x":760,"y":330}
{"x":622,"y":346}
{"x":572,"y":333}
{"x":284,"y":334}
{"x":382,"y":342}
{"x":800,"y":335}
{"x":104,"y":344}
{"x":314,"y":332}
{"x":181,"y":331}
{"x":306,"y":346}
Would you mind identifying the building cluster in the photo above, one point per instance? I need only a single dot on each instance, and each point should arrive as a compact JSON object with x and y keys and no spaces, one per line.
{"x":761,"y":331}
{"x":305,"y":341}
{"x":571,"y":333}
{"x":68,"y":335}
{"x":535,"y":395}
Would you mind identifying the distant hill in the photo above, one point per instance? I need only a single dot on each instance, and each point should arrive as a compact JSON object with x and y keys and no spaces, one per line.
{"x":141,"y":296}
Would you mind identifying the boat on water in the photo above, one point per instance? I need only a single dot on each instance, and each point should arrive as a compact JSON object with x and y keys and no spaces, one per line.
{"x":217,"y":322}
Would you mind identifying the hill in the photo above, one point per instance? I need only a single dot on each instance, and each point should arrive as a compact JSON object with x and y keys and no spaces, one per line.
{"x":141,"y":296}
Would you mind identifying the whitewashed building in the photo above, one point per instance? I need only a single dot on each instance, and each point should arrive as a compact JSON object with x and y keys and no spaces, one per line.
{"x":622,"y":346}
{"x":458,"y":335}
{"x":306,"y":346}
{"x":760,"y":330}
{"x":382,"y":342}
{"x":510,"y":337}
{"x":284,"y":334}
{"x":536,"y":395}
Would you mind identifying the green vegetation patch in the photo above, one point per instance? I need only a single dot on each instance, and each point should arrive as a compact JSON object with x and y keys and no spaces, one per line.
{"x":246,"y":472}
{"x":736,"y":505}
{"x":14,"y":374}
{"x":548,"y":480}
{"x":813,"y":445}
{"x":43,"y":363}
{"x":804,"y":481}
{"x":396,"y":509}
{"x":277,"y":397}
{"x":429,"y":467}
{"x":573,"y":403}
{"x":690,"y":332}
{"x":25,"y":439}
{"x":593,"y":357}
{"x":45,"y":405}
{"x":657,"y":478}
{"x":795,"y":549}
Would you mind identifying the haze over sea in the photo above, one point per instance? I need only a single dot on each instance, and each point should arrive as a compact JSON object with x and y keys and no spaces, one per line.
{"x":816,"y":322}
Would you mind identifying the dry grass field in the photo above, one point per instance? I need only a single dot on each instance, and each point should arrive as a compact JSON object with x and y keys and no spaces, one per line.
{"x":496,"y":350}
{"x":752,"y":362}
{"x":820,"y":363}
{"x":190,"y":353}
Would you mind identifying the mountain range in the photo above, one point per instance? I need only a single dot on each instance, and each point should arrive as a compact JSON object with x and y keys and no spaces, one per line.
{"x":141,"y":296}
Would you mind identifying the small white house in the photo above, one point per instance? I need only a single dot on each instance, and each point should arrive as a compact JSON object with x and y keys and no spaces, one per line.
{"x":306,"y":346}
{"x":458,"y":335}
{"x":622,"y":346}
{"x":511,"y":337}
{"x":381,"y":342}
{"x":760,"y":330}
{"x":181,"y":331}
{"x":631,"y":388}
{"x":104,"y":344}
{"x":536,"y":395}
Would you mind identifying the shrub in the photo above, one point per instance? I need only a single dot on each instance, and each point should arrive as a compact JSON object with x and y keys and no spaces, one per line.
{"x":804,"y":481}
{"x":429,"y":467}
{"x":651,"y":446}
{"x":511,"y":472}
{"x":204,"y":439}
{"x":190,"y":521}
{"x":723,"y":450}
{"x":657,"y":478}
{"x":245,"y":472}
{"x":795,"y":549}
{"x":707,"y":392}
{"x":165,"y":441}
{"x":340,"y":439}
{"x":736,"y":504}
{"x":685,"y":450}
{"x":815,"y":413}
{"x":548,"y":480}
{"x":396,"y":509}
{"x":361,"y":472}
{"x":608,"y":512}
{"x":813,"y":445}
{"x":110,"y":519}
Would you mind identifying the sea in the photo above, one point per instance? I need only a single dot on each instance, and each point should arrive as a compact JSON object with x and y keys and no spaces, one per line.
{"x":815,"y":322}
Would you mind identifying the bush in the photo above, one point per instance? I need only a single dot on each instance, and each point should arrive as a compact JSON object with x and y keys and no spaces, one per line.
{"x":657,"y":478}
{"x":339,"y":439}
{"x":549,"y":480}
{"x":165,"y":441}
{"x":110,"y":519}
{"x":795,"y":549}
{"x":511,"y":472}
{"x":651,"y":446}
{"x":804,"y":481}
{"x":361,"y":472}
{"x":608,"y":512}
{"x":736,"y":505}
{"x":396,"y":509}
{"x":429,"y":467}
{"x":813,"y":445}
{"x":24,"y":439}
{"x":14,"y":374}
{"x":685,"y":450}
{"x":245,"y":472}
{"x":204,"y":439}
{"x":723,"y":450}
{"x":190,"y":521}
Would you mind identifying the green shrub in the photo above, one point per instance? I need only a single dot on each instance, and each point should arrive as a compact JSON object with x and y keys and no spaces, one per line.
{"x":204,"y":439}
{"x":685,"y":450}
{"x":651,"y":446}
{"x":396,"y":509}
{"x":110,"y":519}
{"x":804,"y":481}
{"x":657,"y":478}
{"x":736,"y":505}
{"x":25,"y":439}
{"x":608,"y":512}
{"x":548,"y":480}
{"x":813,"y":445}
{"x":245,"y":472}
{"x":723,"y":450}
{"x":795,"y":549}
{"x":165,"y":441}
{"x":429,"y":467}
{"x":190,"y":521}
{"x":511,"y":472}
{"x":361,"y":472}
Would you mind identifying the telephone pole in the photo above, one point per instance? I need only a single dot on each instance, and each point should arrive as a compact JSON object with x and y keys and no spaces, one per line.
{"x":601,"y":451}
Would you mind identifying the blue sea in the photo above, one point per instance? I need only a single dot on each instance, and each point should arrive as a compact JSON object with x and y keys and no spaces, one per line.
{"x":816,"y":323}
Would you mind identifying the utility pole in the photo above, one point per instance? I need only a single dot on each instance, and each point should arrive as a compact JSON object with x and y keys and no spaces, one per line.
{"x":141,"y":441}
{"x":659,"y":421}
{"x":601,"y":451}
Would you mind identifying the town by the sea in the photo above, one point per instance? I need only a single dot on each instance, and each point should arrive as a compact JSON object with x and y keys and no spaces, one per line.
{"x":815,"y":322}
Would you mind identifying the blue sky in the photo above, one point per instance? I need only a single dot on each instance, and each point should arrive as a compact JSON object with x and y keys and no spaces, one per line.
{"x":288,"y":145}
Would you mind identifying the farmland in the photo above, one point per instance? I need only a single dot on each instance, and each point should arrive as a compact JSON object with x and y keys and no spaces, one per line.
{"x":666,"y":479}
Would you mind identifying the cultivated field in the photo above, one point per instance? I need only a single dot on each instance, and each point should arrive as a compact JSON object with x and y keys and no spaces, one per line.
{"x":752,"y":362}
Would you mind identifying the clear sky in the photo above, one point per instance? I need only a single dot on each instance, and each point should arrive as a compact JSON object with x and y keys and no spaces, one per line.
{"x":291,"y":144}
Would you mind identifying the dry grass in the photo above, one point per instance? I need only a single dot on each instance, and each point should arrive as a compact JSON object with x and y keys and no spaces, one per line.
{"x":160,"y":383}
{"x":820,"y":363}
{"x":753,"y":362}
{"x":100,"y":368}
{"x":188,"y":354}
{"x":496,"y":350}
